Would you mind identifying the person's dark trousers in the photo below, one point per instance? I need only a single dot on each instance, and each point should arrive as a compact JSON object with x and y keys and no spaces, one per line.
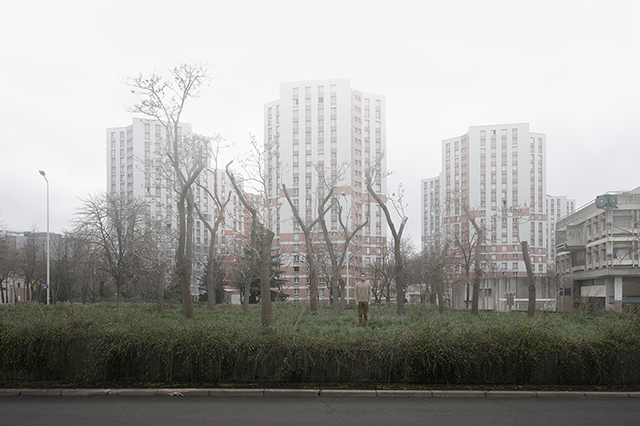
{"x":363,"y":311}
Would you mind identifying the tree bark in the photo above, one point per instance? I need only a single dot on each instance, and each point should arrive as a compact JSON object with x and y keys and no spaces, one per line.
{"x":184,"y":252}
{"x":531,"y":308}
{"x":251,"y":252}
{"x":211,"y":287}
{"x":477,"y":279}
{"x":265,"y":277}
{"x":477,"y":276}
{"x":161,"y":283}
{"x":439,"y":266}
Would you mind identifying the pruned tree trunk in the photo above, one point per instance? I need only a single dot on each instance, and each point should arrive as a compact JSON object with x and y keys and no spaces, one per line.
{"x":162,"y":273}
{"x":211,"y":285}
{"x":477,"y":276}
{"x":439,"y":266}
{"x":184,"y":253}
{"x":531,"y":308}
{"x":313,"y":285}
{"x":253,"y":242}
{"x":265,"y":277}
{"x":477,"y":279}
{"x":247,"y":288}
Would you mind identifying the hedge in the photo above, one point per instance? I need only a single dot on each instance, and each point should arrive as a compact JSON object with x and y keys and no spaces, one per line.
{"x":73,"y":349}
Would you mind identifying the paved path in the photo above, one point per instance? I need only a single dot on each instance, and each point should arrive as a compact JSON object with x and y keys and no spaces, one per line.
{"x":313,"y":407}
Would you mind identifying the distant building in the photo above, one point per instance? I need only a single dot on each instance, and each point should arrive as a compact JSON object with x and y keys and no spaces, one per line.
{"x":556,"y":207}
{"x":13,"y":287}
{"x":325,"y":124}
{"x":598,"y":253}
{"x":134,"y":155}
{"x":498,"y":173}
{"x":431,"y":202}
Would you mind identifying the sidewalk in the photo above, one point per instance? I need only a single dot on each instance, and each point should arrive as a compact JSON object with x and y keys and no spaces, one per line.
{"x":177,"y":393}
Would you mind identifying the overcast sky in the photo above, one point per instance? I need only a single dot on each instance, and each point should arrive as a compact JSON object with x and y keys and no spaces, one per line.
{"x":569,"y":68}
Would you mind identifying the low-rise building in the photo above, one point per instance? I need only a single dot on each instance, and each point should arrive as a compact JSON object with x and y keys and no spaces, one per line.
{"x":597,"y":253}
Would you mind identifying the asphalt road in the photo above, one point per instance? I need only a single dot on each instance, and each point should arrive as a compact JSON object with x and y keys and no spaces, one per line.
{"x":280,"y":410}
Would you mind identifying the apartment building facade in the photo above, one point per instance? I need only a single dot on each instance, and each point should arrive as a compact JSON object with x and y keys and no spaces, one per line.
{"x":556,"y":207}
{"x":135,"y":157}
{"x":431,"y":202}
{"x":497,"y":175}
{"x":598,"y":253}
{"x":325,"y":131}
{"x":498,"y":172}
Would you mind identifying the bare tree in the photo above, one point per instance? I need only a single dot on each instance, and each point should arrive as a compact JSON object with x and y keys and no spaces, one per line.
{"x":477,"y":275}
{"x":424,"y":268}
{"x":382,"y":274}
{"x":92,"y":274}
{"x":215,"y":254}
{"x":261,"y":221}
{"x":117,"y":227}
{"x":466,"y":245}
{"x":307,"y":229}
{"x":68,"y":254}
{"x":520,"y":215}
{"x":374,"y":176}
{"x":31,"y":264}
{"x":165,"y":100}
{"x":337,"y":257}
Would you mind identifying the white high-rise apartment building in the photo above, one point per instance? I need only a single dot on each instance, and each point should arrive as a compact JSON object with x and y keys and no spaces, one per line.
{"x":431,"y":202}
{"x":556,"y":207}
{"x":134,"y":154}
{"x":499,"y":173}
{"x":130,"y":152}
{"x":329,"y":125}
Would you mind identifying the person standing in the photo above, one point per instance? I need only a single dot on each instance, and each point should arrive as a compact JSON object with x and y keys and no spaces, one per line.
{"x":363,"y":299}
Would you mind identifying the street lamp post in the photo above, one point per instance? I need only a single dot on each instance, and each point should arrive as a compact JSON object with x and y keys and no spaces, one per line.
{"x":44,"y":175}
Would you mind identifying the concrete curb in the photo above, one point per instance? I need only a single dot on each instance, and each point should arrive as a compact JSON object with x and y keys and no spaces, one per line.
{"x":560,"y":394}
{"x":292,"y":392}
{"x":85,"y":392}
{"x":606,"y":394}
{"x":183,"y":392}
{"x":132,"y":392}
{"x":404,"y":394}
{"x":315,"y":392}
{"x":511,"y":394}
{"x":40,"y":392}
{"x":458,"y":394}
{"x":236,"y":392}
{"x":343,"y":392}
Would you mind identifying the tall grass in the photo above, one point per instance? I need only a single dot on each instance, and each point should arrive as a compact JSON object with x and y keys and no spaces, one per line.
{"x":129,"y":342}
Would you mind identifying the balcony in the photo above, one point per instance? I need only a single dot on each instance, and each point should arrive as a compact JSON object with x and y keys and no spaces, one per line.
{"x":571,"y":238}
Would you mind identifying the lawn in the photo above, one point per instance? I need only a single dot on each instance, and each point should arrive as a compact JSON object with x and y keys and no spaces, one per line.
{"x":297,"y":318}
